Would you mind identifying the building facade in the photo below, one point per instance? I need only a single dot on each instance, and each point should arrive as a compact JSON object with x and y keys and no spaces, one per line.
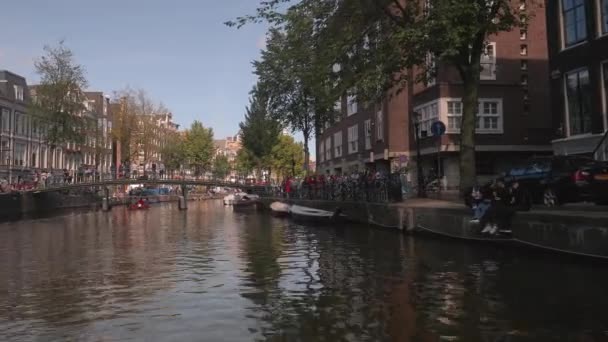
{"x":514,"y":121}
{"x":363,"y":137}
{"x":24,"y":148}
{"x":577,"y":33}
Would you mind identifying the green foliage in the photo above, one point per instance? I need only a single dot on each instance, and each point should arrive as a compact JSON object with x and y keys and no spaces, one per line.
{"x":221,"y":167}
{"x":288,"y":157}
{"x":381,"y":45}
{"x":59,"y":98}
{"x":199,"y":147}
{"x":259,"y":132}
{"x":244,"y":164}
{"x":173,"y":152}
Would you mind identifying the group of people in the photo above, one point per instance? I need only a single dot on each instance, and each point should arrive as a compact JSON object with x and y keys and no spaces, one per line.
{"x":494,"y":206}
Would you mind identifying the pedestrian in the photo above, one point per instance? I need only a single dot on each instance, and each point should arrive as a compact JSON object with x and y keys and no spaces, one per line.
{"x":288,"y":187}
{"x":498,"y":213}
{"x":479,"y":204}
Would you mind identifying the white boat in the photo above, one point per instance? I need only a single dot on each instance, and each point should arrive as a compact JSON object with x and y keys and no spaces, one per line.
{"x":306,"y":213}
{"x":231,"y":198}
{"x":245,"y":201}
{"x":280,"y":208}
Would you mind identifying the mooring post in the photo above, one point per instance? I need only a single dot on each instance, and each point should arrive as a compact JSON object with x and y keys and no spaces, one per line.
{"x":105,"y":201}
{"x":183,"y":199}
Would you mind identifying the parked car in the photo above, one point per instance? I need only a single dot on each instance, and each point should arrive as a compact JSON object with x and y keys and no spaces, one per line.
{"x":556,"y":180}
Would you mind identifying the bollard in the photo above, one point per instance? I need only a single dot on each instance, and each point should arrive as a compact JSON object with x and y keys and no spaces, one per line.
{"x":105,"y":205}
{"x":182,"y":204}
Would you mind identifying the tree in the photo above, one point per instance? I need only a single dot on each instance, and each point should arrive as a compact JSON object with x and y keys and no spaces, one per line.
{"x":384,"y":44}
{"x":259,"y":132}
{"x":221,"y":167}
{"x":288,"y":157}
{"x":134,"y":124}
{"x":173,"y":152}
{"x":292,"y":74}
{"x":199,"y":147}
{"x":59,"y":98}
{"x":244,"y":163}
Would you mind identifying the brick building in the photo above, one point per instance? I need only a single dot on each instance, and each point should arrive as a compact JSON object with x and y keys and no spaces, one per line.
{"x":514,"y":121}
{"x":577,"y":33}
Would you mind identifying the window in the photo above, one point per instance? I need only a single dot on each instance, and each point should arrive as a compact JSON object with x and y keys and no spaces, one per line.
{"x":351,"y":105}
{"x":19,"y":158}
{"x":5,"y":152}
{"x":18,"y":92}
{"x":379,"y":125}
{"x":338,"y":106}
{"x":574,"y":21}
{"x":328,"y":148}
{"x":578,"y":100}
{"x":321,"y":151}
{"x":454,"y":115}
{"x":368,"y":134}
{"x":524,"y":80}
{"x":605,"y":78}
{"x":522,"y":5}
{"x":489,"y":116}
{"x":524,"y":64}
{"x":5,"y":122}
{"x":353,"y":139}
{"x":523,"y":49}
{"x":338,"y":144}
{"x":604,"y":16}
{"x":429,"y":113}
{"x":488,"y":62}
{"x":523,"y":34}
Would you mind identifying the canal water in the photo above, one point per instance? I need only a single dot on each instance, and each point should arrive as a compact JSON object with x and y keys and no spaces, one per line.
{"x":213,"y":274}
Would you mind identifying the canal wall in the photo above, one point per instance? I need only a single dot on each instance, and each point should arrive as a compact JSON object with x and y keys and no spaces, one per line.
{"x":574,"y":231}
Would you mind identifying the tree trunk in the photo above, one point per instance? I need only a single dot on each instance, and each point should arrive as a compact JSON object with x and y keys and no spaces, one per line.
{"x":306,"y":153}
{"x":468,"y":177}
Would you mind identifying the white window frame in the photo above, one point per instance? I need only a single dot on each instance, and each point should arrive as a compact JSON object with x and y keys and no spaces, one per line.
{"x":429,"y":113}
{"x":566,"y":102}
{"x":338,"y":144}
{"x":602,"y":17}
{"x":562,"y":20}
{"x":490,"y":61}
{"x":351,"y":105}
{"x":367,"y":127}
{"x":328,"y":148}
{"x":19,"y":92}
{"x":604,"y":81}
{"x":5,"y":115}
{"x":353,"y":139}
{"x":380,"y":125}
{"x":480,"y":115}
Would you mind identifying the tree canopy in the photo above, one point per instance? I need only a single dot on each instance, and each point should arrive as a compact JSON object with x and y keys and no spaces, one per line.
{"x":59,"y":99}
{"x":288,"y":157}
{"x":382,"y":45}
{"x":199,"y":147}
{"x":260,"y":131}
{"x":221,"y":167}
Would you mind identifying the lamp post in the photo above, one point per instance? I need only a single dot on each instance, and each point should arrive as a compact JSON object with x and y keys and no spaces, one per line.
{"x":416,"y":119}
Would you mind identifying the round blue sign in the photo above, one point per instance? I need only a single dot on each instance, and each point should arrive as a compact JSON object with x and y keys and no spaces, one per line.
{"x":438,"y":128}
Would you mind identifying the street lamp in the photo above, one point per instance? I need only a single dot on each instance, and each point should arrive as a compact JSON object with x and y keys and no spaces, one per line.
{"x":416,"y":117}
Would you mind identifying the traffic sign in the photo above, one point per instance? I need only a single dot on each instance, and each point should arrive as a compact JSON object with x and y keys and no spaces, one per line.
{"x":438,"y":128}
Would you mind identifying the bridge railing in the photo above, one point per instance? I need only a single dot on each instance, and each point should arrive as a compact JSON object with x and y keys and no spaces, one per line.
{"x":382,"y":190}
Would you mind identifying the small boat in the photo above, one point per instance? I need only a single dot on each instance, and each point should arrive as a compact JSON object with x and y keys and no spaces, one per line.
{"x":139,"y":206}
{"x":245,"y":201}
{"x":280,"y":208}
{"x":230,"y":199}
{"x":317,"y":215}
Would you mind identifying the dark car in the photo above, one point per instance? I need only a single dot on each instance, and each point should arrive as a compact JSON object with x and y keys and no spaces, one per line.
{"x":555,"y":180}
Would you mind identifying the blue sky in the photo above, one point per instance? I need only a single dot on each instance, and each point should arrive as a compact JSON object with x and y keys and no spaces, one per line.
{"x":178,"y":50}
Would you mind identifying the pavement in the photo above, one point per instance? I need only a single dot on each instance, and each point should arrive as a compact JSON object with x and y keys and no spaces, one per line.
{"x":452,"y":201}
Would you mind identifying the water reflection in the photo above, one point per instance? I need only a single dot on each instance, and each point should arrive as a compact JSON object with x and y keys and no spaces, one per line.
{"x":214,"y":274}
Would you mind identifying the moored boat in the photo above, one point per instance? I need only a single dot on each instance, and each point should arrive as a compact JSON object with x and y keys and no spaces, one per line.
{"x":299,"y":212}
{"x":280,"y":208}
{"x":139,"y":206}
{"x":245,"y":201}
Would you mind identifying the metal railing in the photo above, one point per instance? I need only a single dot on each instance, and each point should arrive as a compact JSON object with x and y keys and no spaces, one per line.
{"x":346,"y":189}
